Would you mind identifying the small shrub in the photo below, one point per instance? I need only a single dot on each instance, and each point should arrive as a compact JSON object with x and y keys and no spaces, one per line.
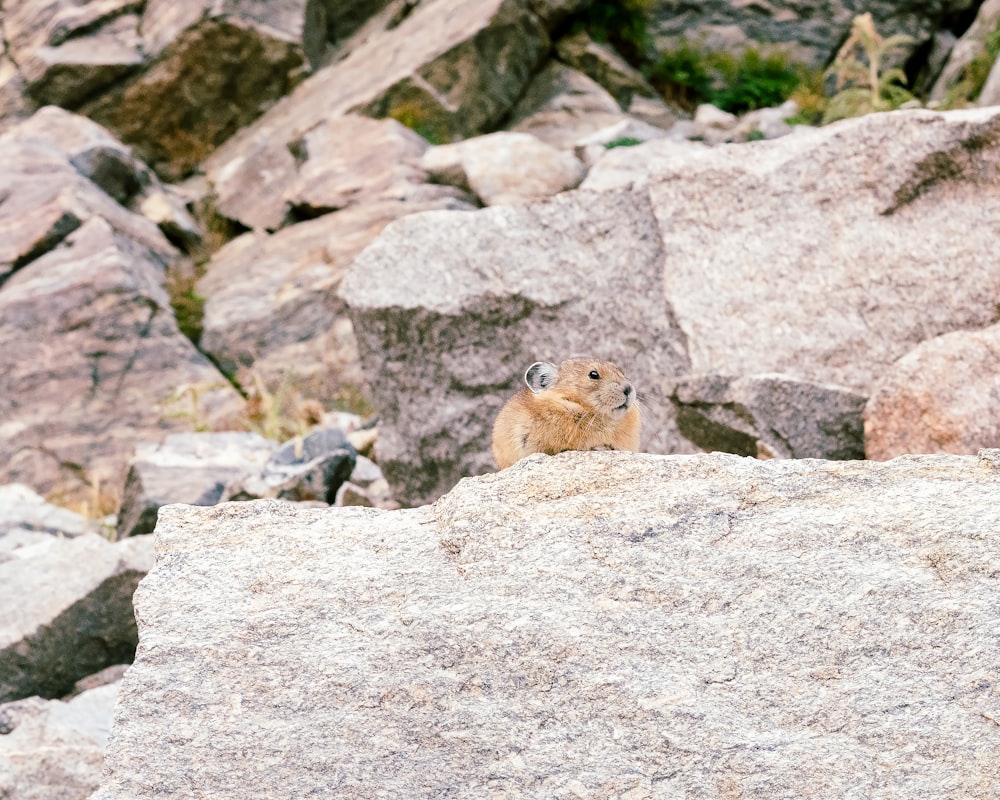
{"x":755,"y":80}
{"x":624,"y":141}
{"x":681,"y":75}
{"x":863,"y":86}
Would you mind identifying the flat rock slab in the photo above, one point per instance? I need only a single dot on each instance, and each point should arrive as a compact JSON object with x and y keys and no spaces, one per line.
{"x":589,"y":625}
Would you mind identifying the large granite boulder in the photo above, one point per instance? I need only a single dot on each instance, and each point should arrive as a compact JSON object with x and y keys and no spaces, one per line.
{"x":830,"y":254}
{"x":213,"y":68}
{"x":66,"y":612}
{"x":447,"y":70}
{"x":585,"y":625}
{"x":449,"y":310}
{"x":942,"y":397}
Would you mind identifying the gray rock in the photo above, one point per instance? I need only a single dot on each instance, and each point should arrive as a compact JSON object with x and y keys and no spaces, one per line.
{"x":449,"y":309}
{"x":832,"y":253}
{"x":588,"y":625}
{"x":344,"y":17}
{"x":562,"y":104}
{"x":21,"y":508}
{"x":770,"y":416}
{"x":810,"y":30}
{"x":942,"y":397}
{"x":15,"y":105}
{"x":54,"y":750}
{"x":631,"y":167}
{"x":92,"y":362}
{"x":66,"y":612}
{"x":309,"y":468}
{"x":505,"y":168}
{"x":190,"y":468}
{"x":409,"y":73}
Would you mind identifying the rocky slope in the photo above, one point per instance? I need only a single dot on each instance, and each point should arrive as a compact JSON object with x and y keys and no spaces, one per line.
{"x":222,"y":217}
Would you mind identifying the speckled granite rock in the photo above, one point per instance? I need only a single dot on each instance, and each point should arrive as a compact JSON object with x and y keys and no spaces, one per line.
{"x":589,"y":625}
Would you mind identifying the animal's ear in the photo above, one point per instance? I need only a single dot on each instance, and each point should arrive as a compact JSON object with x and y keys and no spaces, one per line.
{"x":540,"y":376}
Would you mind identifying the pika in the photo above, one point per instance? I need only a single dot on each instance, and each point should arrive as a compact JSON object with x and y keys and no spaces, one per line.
{"x":583,"y":404}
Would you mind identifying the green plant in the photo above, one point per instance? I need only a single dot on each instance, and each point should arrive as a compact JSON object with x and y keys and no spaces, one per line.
{"x":863,"y":85}
{"x":682,"y":76}
{"x":755,"y":80}
{"x":624,"y":141}
{"x":416,"y":118}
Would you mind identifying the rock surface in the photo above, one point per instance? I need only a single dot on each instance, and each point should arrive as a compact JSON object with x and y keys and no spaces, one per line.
{"x":190,"y":468}
{"x":770,"y":416}
{"x":943,"y":397}
{"x":54,"y":750}
{"x":830,"y":254}
{"x":92,"y":360}
{"x":505,"y":168}
{"x":66,"y":612}
{"x":588,"y":625}
{"x":449,"y":310}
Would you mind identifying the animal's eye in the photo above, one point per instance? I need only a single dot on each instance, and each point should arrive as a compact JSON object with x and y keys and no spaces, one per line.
{"x":594,"y":375}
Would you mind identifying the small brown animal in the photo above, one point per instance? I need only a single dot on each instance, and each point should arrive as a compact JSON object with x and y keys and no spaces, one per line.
{"x":583,"y":404}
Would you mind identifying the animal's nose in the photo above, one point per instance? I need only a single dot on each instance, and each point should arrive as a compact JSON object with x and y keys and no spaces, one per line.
{"x":627,"y":389}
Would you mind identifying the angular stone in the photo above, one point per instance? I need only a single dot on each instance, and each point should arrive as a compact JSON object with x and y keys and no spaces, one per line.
{"x":622,"y":167}
{"x":447,"y":70}
{"x":94,"y":363}
{"x":73,"y":72}
{"x":192,"y":468}
{"x":271,"y":305}
{"x":449,"y":309}
{"x":345,"y":161}
{"x":344,"y":17}
{"x":54,"y":750}
{"x":562,"y":104}
{"x":602,"y":63}
{"x":66,"y":612}
{"x":770,"y":416}
{"x":309,"y":468}
{"x":15,"y":105}
{"x":49,"y":165}
{"x":889,"y":241}
{"x":21,"y":508}
{"x":942,"y":397}
{"x":505,"y":168}
{"x":188,"y":100}
{"x":586,"y":625}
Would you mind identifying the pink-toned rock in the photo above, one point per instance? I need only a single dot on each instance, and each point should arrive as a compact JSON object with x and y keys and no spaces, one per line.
{"x":505,"y":168}
{"x":942,"y":397}
{"x":429,"y":72}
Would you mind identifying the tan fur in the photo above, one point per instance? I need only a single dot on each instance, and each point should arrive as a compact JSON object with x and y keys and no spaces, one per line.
{"x":574,"y":413}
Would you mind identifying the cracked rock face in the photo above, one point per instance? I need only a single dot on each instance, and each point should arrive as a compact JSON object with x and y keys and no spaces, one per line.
{"x":584,"y":625}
